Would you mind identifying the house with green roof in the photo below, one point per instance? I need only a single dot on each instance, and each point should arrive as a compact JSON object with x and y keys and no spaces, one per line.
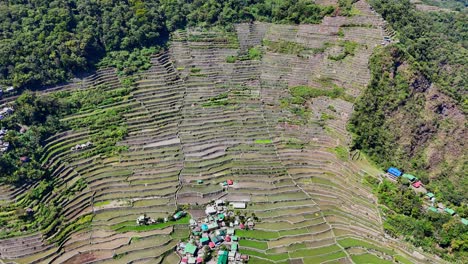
{"x":222,"y":257}
{"x":449,"y":211}
{"x":464,"y":221}
{"x":430,"y":195}
{"x":190,"y":249}
{"x":204,"y":240}
{"x":433,"y":209}
{"x":234,"y":246}
{"x":410,"y":177}
{"x":179,"y":215}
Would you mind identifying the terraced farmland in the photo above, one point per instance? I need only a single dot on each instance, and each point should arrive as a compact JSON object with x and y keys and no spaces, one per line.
{"x":195,"y":116}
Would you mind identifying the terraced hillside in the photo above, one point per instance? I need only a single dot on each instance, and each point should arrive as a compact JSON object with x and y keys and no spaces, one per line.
{"x":208,"y":109}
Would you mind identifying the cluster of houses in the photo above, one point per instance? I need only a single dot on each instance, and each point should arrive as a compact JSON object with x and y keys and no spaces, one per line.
{"x":6,"y":111}
{"x":394,"y":173}
{"x":214,"y":237}
{"x":3,"y":144}
{"x":81,"y":146}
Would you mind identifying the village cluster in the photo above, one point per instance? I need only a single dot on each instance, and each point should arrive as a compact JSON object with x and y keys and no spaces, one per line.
{"x":394,"y":174}
{"x":213,"y":238}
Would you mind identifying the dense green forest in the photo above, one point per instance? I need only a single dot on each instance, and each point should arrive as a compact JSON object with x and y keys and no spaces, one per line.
{"x":46,"y":42}
{"x":413,"y":116}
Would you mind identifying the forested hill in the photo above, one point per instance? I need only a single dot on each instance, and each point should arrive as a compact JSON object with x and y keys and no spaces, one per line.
{"x":45,"y":42}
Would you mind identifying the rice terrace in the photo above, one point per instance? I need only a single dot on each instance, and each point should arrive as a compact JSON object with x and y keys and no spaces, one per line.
{"x":232,"y":147}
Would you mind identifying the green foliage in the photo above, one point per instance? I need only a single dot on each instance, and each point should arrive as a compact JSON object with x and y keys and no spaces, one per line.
{"x":436,"y":40}
{"x":306,"y":92}
{"x":289,"y":47}
{"x":231,"y":59}
{"x":341,"y":152}
{"x":219,"y":100}
{"x":349,"y":49}
{"x":436,"y":232}
{"x":263,"y":141}
{"x":255,"y":53}
{"x":47,"y":42}
{"x":346,"y":7}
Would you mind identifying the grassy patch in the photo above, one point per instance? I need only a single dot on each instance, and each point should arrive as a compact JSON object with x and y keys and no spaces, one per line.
{"x":341,"y":152}
{"x":255,"y":53}
{"x":231,"y":59}
{"x":294,"y":48}
{"x":310,"y":252}
{"x":351,"y":242}
{"x":263,"y":141}
{"x":130,"y":226}
{"x":273,"y":257}
{"x":323,"y":258}
{"x":369,"y":258}
{"x":349,"y":49}
{"x":253,"y":244}
{"x":219,"y":100}
{"x":102,"y":203}
{"x":195,"y":70}
{"x":257,"y":234}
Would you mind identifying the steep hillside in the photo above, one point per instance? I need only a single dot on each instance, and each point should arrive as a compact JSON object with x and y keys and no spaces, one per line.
{"x":413,"y":116}
{"x":264,"y":105}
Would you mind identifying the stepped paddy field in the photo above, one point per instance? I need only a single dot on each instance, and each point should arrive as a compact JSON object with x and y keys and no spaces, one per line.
{"x":264,"y":105}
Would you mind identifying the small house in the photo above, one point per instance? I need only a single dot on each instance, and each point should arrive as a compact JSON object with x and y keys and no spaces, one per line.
{"x":190,"y":249}
{"x":200,"y":181}
{"x":227,"y":239}
{"x":417,"y":184}
{"x":210,"y":210}
{"x":410,"y":177}
{"x":219,"y":202}
{"x":230,"y":231}
{"x":234,"y":246}
{"x":211,"y":245}
{"x":199,"y":260}
{"x":238,"y":205}
{"x":205,"y":240}
{"x":204,"y":227}
{"x":222,"y":257}
{"x":213,"y":226}
{"x":432,"y":209}
{"x":234,"y":238}
{"x":449,"y":211}
{"x":192,"y":260}
{"x":179,"y":215}
{"x":430,"y":195}
{"x":464,"y":221}
{"x":394,"y":171}
{"x":230,"y":182}
{"x":232,"y":255}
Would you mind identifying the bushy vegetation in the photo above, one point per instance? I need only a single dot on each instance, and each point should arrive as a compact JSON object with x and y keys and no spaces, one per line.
{"x":438,"y":233}
{"x":46,"y":42}
{"x":436,"y":40}
{"x":289,"y":47}
{"x":349,"y":49}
